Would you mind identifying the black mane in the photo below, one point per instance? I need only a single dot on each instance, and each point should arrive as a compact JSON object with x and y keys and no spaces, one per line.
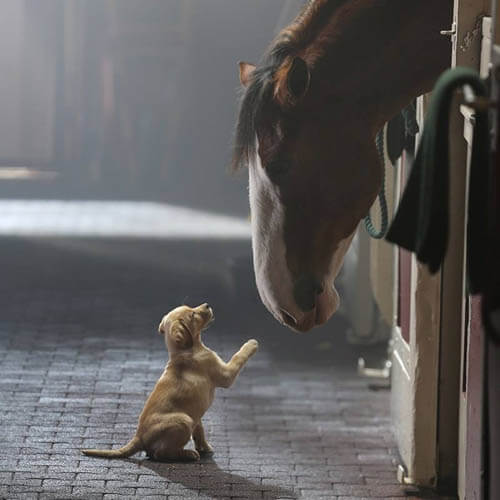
{"x":257,"y":96}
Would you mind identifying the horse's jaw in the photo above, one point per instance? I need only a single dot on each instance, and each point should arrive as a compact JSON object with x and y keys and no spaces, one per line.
{"x":274,"y":279}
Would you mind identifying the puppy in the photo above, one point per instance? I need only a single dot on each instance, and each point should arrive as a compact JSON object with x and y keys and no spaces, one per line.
{"x":173,"y":411}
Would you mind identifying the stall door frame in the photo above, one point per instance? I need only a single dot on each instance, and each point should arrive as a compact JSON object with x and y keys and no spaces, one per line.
{"x":414,"y":375}
{"x":426,"y":367}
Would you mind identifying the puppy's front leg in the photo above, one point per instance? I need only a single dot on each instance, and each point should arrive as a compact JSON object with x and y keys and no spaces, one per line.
{"x":200,"y":441}
{"x":227,"y":372}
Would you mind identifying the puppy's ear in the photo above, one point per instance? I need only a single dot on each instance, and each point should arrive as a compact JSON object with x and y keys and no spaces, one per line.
{"x":181,"y":335}
{"x":161,"y":327}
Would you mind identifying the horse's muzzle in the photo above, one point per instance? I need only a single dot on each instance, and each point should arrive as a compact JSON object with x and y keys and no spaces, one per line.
{"x":326,"y":303}
{"x":306,"y":291}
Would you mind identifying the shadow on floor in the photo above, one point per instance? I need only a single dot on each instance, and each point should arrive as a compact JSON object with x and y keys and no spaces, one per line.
{"x":218,"y":479}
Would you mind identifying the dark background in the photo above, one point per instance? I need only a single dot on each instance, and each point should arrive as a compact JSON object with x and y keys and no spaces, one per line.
{"x":126,"y":99}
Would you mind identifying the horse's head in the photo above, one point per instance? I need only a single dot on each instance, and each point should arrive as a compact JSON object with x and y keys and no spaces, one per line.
{"x":313,"y":174}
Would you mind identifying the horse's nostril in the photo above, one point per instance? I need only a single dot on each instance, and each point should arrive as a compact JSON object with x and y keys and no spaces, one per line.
{"x":306,"y":288}
{"x":288,"y":318}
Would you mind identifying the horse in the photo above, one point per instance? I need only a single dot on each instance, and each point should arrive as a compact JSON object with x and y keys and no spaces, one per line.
{"x":307,"y":122}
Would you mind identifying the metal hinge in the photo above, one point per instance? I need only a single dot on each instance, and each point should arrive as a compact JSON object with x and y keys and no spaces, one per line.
{"x":452,"y":31}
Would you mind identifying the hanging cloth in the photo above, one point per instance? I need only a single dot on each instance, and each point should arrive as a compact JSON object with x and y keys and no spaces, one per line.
{"x":421,"y":222}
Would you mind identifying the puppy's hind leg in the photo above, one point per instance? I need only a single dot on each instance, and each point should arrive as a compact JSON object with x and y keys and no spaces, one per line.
{"x":168,"y":436}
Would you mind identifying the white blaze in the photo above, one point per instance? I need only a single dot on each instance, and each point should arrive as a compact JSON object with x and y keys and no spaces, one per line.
{"x":273,"y":278}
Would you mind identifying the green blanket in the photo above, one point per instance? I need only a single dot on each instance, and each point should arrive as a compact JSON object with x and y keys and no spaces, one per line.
{"x":421,"y":222}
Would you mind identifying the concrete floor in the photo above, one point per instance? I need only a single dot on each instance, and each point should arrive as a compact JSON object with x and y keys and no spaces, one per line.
{"x":79,"y":353}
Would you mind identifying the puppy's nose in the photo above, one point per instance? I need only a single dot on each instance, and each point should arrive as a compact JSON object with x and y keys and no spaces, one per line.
{"x":205,"y":306}
{"x":305,"y":292}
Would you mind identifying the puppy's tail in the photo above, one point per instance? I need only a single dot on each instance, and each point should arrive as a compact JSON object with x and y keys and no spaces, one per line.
{"x":132,"y":447}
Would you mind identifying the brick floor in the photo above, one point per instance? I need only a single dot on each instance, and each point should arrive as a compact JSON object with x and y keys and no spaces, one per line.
{"x":79,"y":354}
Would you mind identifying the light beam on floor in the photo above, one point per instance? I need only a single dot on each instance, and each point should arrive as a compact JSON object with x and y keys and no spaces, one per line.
{"x":115,"y":219}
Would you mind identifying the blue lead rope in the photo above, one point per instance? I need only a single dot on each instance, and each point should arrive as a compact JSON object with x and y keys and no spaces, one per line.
{"x":411,"y":129}
{"x":370,"y":228}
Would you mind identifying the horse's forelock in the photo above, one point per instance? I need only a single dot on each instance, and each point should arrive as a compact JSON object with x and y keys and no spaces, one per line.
{"x":258,"y":95}
{"x":254,"y":99}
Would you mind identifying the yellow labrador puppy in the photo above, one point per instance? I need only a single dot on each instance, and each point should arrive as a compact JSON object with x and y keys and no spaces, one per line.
{"x":172,"y":413}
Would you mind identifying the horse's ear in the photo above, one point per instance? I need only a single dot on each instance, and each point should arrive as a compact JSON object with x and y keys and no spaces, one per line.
{"x":246,"y":70}
{"x":298,"y":78}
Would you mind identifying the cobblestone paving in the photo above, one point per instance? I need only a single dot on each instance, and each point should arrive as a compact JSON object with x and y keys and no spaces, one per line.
{"x":79,"y":354}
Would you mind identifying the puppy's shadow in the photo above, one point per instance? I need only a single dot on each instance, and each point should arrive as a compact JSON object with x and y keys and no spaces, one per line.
{"x":208,"y":478}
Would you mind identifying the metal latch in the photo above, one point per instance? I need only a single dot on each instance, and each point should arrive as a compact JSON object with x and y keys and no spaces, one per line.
{"x":384,"y":372}
{"x":476,"y":102}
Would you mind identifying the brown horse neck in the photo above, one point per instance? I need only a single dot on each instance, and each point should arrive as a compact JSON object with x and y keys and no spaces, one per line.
{"x":383,"y":52}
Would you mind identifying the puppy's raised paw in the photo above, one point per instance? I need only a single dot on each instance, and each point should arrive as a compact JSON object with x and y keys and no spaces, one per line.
{"x":252,"y":346}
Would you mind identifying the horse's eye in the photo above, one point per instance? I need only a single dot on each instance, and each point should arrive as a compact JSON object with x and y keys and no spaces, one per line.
{"x":277,"y":169}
